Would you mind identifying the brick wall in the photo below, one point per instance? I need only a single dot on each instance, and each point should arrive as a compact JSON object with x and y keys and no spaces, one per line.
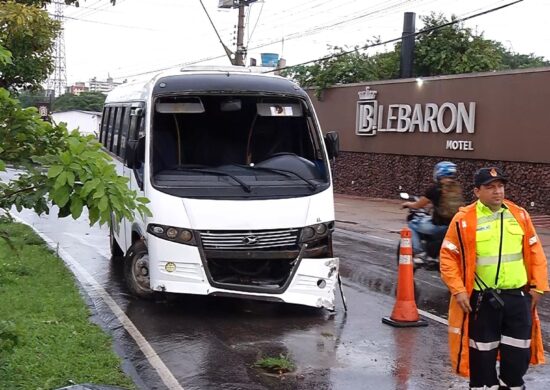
{"x":385,"y":175}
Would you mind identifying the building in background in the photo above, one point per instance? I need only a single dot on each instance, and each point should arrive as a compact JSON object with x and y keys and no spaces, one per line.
{"x":77,"y":88}
{"x":87,"y":122}
{"x":106,"y":86}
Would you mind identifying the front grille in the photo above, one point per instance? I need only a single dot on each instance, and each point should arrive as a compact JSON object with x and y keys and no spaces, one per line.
{"x":246,"y":240}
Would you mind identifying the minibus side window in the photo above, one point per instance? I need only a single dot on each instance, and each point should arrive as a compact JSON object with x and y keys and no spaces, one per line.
{"x":116,"y":130}
{"x":110,"y":128}
{"x":137,"y":127}
{"x":124,"y":132}
{"x":136,"y":130}
{"x":314,"y":138}
{"x":104,"y":119}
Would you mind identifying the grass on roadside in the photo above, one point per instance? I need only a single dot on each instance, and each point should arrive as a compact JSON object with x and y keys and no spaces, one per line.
{"x":46,"y":338}
{"x":276,"y":364}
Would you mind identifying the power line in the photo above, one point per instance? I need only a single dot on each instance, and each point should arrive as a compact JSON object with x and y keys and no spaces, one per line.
{"x":102,"y":7}
{"x":316,"y":29}
{"x":83,"y":8}
{"x":335,"y":55}
{"x":295,"y":35}
{"x":80,"y":12}
{"x":263,"y":44}
{"x":228,"y":52}
{"x":421,"y":32}
{"x":255,"y":24}
{"x":112,"y":24}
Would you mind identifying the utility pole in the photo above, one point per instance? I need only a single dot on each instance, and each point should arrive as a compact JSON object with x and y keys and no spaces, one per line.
{"x":407,"y":46}
{"x":240,"y":52}
{"x":58,"y":79}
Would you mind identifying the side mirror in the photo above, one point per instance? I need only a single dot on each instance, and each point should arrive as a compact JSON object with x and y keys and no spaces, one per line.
{"x":332,"y":144}
{"x":135,"y":153}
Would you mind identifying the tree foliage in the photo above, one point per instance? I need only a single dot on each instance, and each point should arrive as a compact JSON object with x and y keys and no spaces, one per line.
{"x":87,"y":101}
{"x":59,"y":168}
{"x":451,"y":49}
{"x":29,"y":34}
{"x":511,"y":60}
{"x":65,"y":169}
{"x":344,"y":68}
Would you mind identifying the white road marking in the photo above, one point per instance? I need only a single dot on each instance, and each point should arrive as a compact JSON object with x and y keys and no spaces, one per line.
{"x":94,"y":288}
{"x":433,"y":317}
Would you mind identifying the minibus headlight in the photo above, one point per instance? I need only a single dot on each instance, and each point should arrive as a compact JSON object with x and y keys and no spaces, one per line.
{"x":186,"y":235}
{"x":320,"y":228}
{"x":316,"y":232}
{"x":157,"y":230}
{"x":308,"y":233}
{"x":172,"y":233}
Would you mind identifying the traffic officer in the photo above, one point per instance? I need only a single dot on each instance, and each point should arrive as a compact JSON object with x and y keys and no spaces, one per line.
{"x":495,"y":268}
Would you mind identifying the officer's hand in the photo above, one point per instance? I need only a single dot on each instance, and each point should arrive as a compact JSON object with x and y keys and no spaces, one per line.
{"x":464,"y":301}
{"x":535,"y":297}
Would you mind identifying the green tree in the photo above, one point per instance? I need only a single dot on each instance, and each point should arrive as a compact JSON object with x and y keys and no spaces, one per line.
{"x":453,"y":49}
{"x":59,"y":168}
{"x":450,"y":49}
{"x":511,"y":60}
{"x":87,"y":101}
{"x":29,"y":34}
{"x":343,"y":67}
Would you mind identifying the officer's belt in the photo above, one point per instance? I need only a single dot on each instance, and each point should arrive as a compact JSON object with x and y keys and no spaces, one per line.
{"x":511,"y":291}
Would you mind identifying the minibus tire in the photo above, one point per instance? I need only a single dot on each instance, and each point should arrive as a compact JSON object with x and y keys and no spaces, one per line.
{"x":116,"y":251}
{"x":137,"y":279}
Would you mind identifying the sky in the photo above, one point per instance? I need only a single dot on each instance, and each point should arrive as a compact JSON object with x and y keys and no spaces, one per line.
{"x":138,"y":36}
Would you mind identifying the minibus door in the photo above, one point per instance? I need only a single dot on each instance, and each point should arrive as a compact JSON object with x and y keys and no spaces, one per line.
{"x":135,"y":159}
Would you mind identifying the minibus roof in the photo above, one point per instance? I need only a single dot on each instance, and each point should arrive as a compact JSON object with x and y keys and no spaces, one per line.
{"x":229,"y":80}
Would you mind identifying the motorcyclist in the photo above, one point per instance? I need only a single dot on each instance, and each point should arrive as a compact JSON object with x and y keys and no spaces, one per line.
{"x":445,"y":196}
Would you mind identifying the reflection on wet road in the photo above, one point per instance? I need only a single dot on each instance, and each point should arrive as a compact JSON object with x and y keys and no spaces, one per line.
{"x":213,"y":343}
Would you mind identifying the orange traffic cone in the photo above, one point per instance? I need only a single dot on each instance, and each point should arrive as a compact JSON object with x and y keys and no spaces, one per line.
{"x":405,"y":313}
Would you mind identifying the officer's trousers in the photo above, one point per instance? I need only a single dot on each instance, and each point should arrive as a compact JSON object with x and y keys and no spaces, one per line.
{"x":506,"y":330}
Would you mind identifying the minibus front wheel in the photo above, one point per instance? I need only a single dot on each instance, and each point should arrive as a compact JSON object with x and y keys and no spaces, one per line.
{"x":136,"y":270}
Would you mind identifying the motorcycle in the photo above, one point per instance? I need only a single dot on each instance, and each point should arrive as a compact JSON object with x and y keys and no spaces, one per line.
{"x":430,"y":243}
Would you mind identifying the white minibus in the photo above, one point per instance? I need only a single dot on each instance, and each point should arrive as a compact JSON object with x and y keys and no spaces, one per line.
{"x":237,"y":173}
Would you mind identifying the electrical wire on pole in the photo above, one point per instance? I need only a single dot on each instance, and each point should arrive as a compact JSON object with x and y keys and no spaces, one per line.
{"x":365,"y":47}
{"x":238,"y":57}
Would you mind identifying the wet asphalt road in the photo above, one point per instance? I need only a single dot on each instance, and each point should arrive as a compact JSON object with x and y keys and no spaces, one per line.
{"x":213,"y":343}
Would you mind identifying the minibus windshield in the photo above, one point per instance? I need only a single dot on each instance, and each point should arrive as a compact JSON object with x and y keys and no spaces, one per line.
{"x":220,"y":146}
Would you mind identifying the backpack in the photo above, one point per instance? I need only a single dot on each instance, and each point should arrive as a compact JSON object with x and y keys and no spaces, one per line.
{"x":450,"y":200}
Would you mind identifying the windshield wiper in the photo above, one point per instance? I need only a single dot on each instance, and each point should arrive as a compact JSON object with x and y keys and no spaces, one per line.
{"x":312,"y":186}
{"x":245,"y":186}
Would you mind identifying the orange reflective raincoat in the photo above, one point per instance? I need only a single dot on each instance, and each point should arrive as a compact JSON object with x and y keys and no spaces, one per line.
{"x":457,"y":271}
